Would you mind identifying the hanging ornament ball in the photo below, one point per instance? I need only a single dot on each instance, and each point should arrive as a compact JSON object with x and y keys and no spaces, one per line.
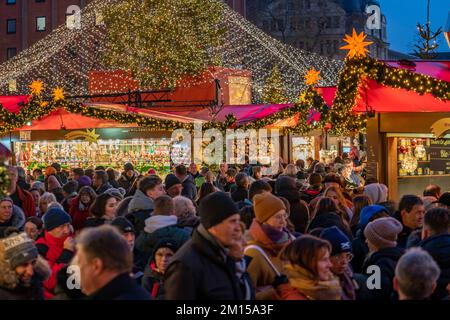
{"x":409,"y":163}
{"x":403,"y":149}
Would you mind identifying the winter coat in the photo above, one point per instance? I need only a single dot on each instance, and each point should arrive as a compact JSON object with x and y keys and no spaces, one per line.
{"x":140,"y":208}
{"x":304,"y":286}
{"x":78,"y":216}
{"x":329,"y":219}
{"x":310,"y":193}
{"x":201,"y":270}
{"x":27,"y":203}
{"x":126,"y":182}
{"x":122,"y":287}
{"x":260,"y":271}
{"x":240,"y":194}
{"x":160,"y":227}
{"x":438,"y":247}
{"x":189,"y":187}
{"x":347,"y":284}
{"x":67,"y":201}
{"x":299,"y":214}
{"x":11,"y":289}
{"x":360,"y":251}
{"x":52,"y":249}
{"x":153,"y":282}
{"x":402,"y":238}
{"x":103,"y":188}
{"x":93,"y":222}
{"x":386,"y":259}
{"x":17,"y":221}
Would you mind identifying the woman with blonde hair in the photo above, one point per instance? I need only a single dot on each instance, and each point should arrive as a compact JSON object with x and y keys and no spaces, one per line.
{"x":344,"y":206}
{"x":308,"y":270}
{"x":290,"y":170}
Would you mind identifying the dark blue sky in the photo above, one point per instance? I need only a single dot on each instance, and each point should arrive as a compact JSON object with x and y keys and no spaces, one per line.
{"x":403,"y":15}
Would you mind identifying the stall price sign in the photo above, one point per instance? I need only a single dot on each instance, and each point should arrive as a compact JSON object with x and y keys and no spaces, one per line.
{"x":439,"y":151}
{"x":25,"y":135}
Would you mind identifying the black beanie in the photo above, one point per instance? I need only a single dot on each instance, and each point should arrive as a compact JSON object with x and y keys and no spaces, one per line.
{"x":215,"y":208}
{"x":123,"y":224}
{"x":171,"y":180}
{"x":54,"y":218}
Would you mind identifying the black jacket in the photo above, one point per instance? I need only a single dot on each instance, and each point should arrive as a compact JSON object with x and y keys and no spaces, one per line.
{"x":200,"y":271}
{"x":103,"y":188}
{"x":438,"y":247}
{"x":126,"y":182}
{"x":299,"y":215}
{"x":359,"y":250}
{"x":34,"y":292}
{"x":122,"y":287}
{"x":402,"y":238}
{"x":329,"y":219}
{"x":240,"y":194}
{"x":189,"y":188}
{"x":386,"y":259}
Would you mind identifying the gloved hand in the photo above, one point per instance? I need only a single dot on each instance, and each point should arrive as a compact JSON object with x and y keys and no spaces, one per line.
{"x":279,"y":280}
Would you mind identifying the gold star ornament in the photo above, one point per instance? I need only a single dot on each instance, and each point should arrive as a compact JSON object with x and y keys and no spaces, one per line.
{"x":312,"y":77}
{"x":356,"y":45}
{"x":36,"y":87}
{"x":58,"y":94}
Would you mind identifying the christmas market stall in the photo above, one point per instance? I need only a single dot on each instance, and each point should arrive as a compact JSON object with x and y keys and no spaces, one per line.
{"x":403,"y":109}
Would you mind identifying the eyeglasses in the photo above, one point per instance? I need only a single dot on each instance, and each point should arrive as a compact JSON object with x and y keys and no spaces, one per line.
{"x":345,"y":256}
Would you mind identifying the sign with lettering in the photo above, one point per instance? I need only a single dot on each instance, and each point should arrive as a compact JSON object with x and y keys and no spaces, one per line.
{"x":439,"y":151}
{"x":440,"y":127}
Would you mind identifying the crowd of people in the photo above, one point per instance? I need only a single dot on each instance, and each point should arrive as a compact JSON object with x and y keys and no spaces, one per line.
{"x":314,"y":231}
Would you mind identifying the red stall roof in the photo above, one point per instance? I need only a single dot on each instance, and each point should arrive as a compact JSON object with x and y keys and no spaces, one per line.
{"x":387,"y":99}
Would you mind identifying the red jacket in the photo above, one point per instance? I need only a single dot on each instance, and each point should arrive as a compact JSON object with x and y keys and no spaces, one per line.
{"x":52,"y":249}
{"x":28,"y":205}
{"x":78,"y":216}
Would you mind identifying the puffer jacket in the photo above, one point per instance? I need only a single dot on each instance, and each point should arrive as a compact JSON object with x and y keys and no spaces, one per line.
{"x":160,"y":227}
{"x":52,"y":249}
{"x":438,"y":247}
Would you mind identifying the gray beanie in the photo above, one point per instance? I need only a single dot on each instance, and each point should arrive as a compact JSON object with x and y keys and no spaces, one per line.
{"x":383,"y":232}
{"x":19,"y":249}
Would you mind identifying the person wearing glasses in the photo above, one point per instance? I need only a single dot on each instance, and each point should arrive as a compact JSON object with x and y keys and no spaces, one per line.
{"x":340,"y":257}
{"x":269,"y":236}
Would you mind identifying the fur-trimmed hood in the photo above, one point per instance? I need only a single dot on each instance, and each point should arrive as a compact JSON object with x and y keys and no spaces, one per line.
{"x":8,"y":277}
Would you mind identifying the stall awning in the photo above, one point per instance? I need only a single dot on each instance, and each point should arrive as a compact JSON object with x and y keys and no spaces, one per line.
{"x":12,"y":103}
{"x":243,"y":113}
{"x":62,"y":120}
{"x":383,"y":99}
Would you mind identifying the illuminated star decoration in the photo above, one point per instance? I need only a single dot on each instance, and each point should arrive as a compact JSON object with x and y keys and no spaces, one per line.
{"x":356,"y":44}
{"x":312,"y":77}
{"x":36,"y":87}
{"x":58,"y":94}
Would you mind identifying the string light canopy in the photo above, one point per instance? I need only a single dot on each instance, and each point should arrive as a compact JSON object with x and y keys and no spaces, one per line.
{"x":67,"y":56}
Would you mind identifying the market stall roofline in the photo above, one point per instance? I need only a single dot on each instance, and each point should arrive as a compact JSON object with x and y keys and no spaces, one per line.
{"x":384,"y":99}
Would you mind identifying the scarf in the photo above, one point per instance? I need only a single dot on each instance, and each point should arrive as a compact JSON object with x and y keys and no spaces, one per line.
{"x":275,"y":235}
{"x":303,"y":280}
